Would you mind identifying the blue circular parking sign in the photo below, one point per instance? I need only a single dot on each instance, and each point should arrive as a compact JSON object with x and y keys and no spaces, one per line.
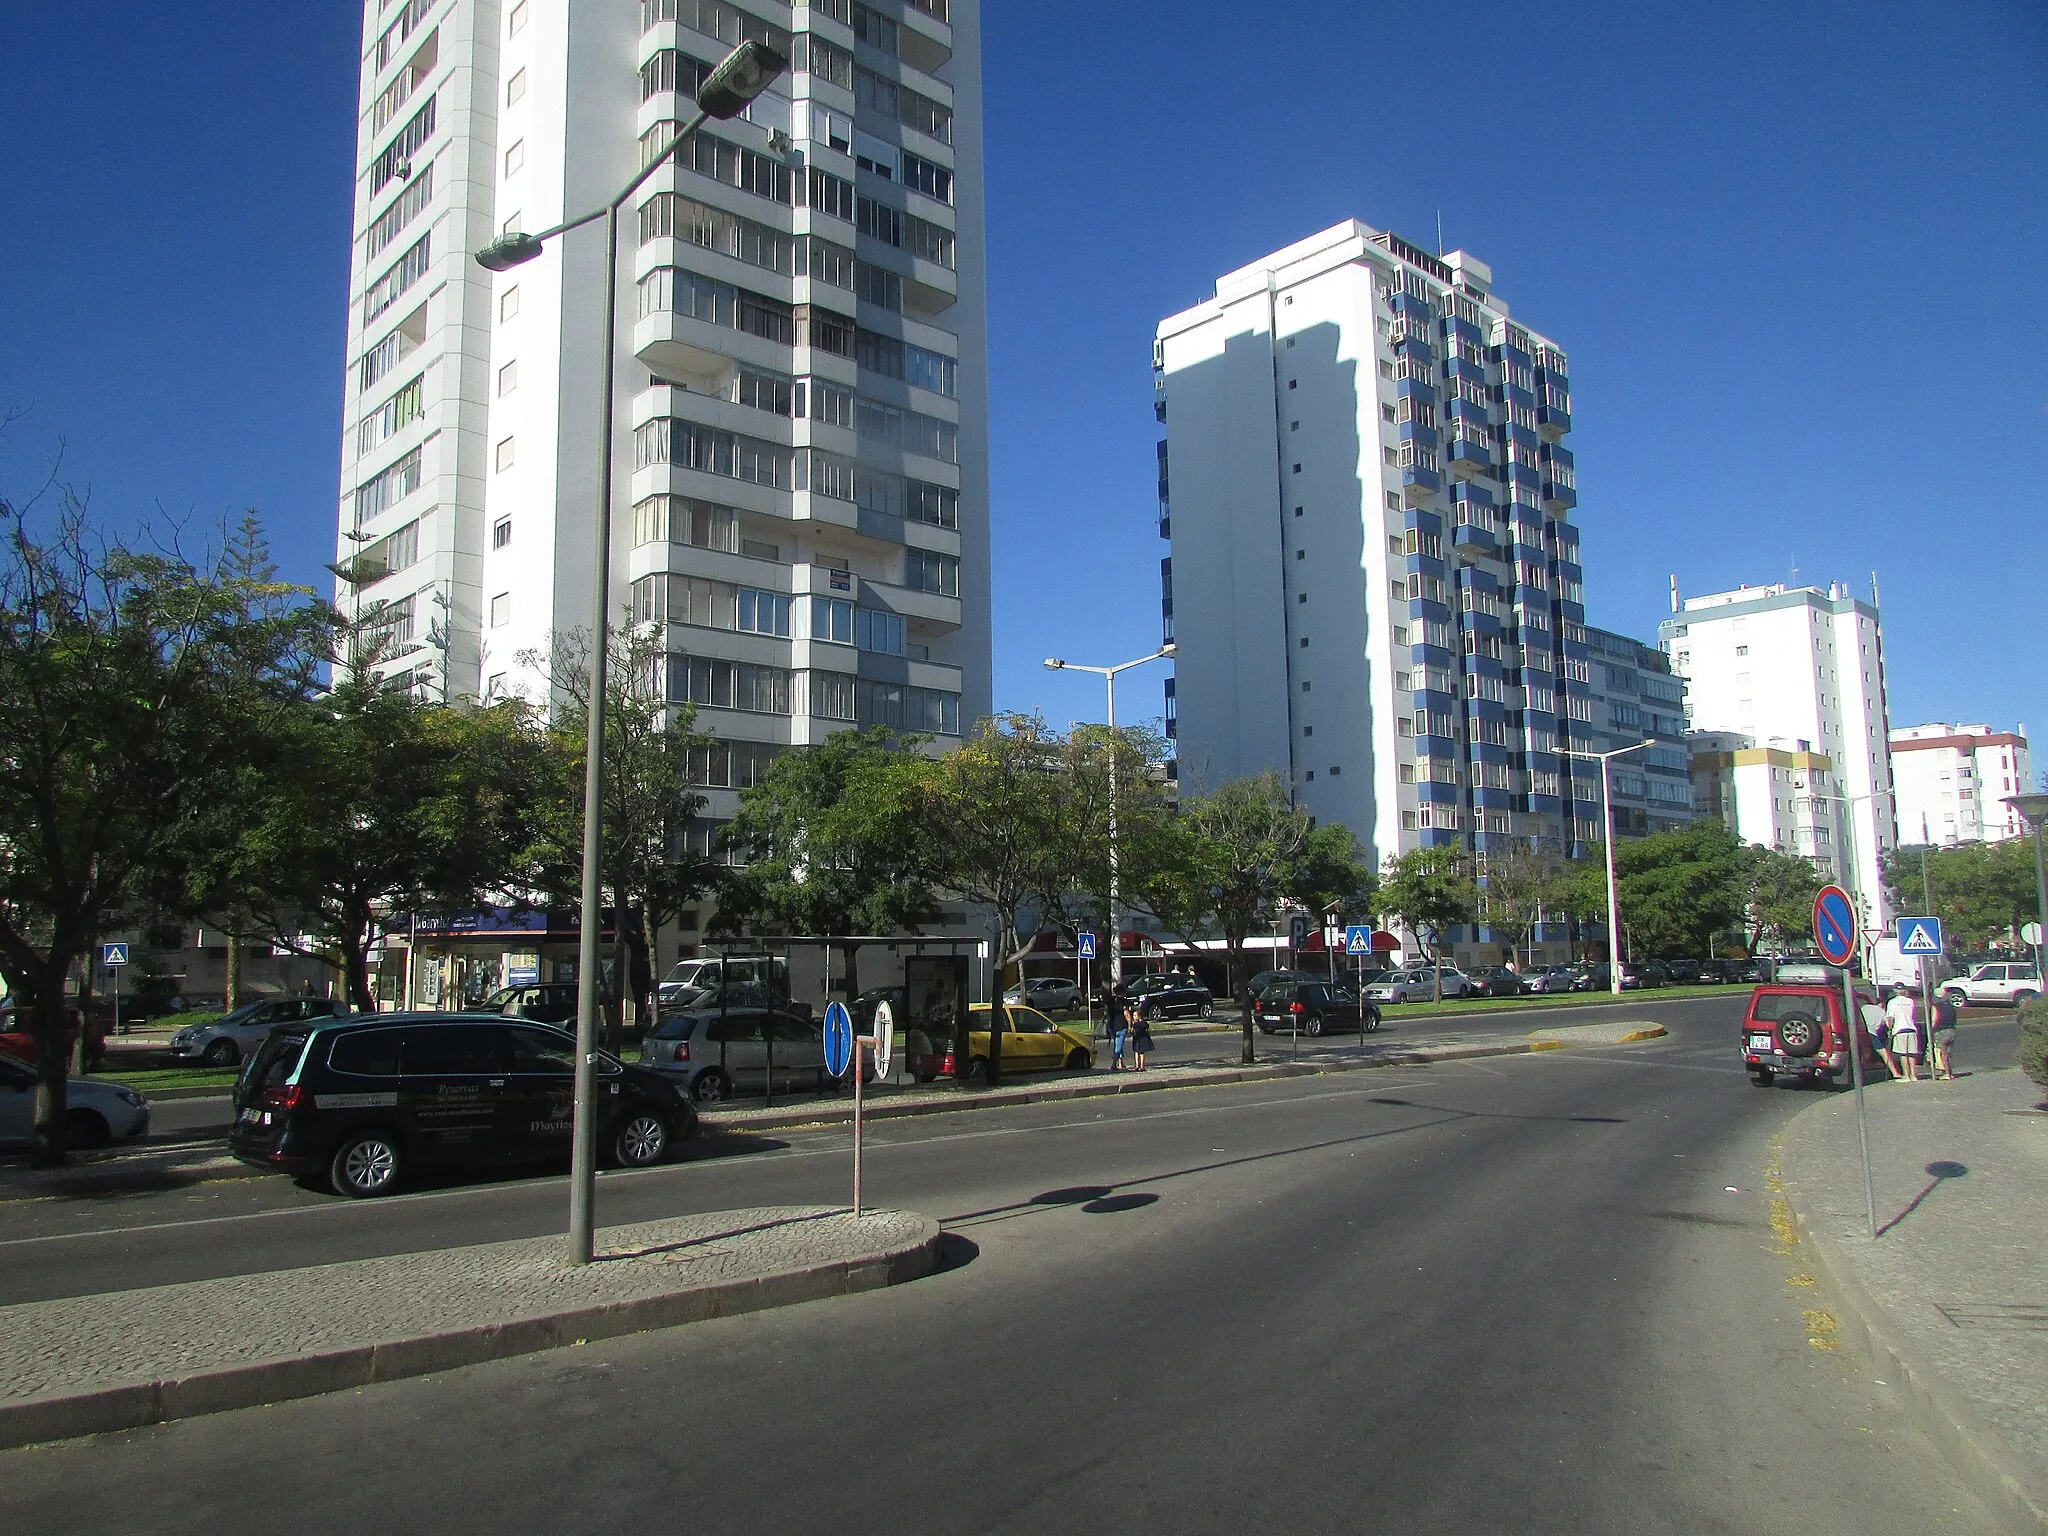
{"x":1834,"y":925}
{"x":838,"y":1039}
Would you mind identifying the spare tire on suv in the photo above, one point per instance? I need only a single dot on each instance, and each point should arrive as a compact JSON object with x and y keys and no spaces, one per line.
{"x":1800,"y":1034}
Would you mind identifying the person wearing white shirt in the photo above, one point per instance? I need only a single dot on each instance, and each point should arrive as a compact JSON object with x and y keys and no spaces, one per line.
{"x":1905,"y":1031}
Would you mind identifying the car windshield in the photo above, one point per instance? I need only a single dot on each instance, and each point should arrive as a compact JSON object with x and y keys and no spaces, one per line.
{"x":276,"y":1059}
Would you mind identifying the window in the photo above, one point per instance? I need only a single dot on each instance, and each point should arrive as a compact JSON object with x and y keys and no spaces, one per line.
{"x":832,"y":620}
{"x":728,"y":685}
{"x":410,"y":268}
{"x":833,"y":695}
{"x":516,"y":22}
{"x":708,"y":155}
{"x":387,"y":488}
{"x":508,"y":303}
{"x":385,"y":228}
{"x":922,"y":175}
{"x":504,"y":455}
{"x":515,"y":88}
{"x":730,"y":764}
{"x":508,"y":377}
{"x":763,"y":613}
{"x":902,"y":707}
{"x":400,"y":410}
{"x":396,"y":159}
{"x":668,"y":215}
{"x":515,"y":157}
{"x":714,"y":451}
{"x":389,"y":555}
{"x":686,"y":520}
{"x":501,"y":610}
{"x":501,"y":533}
{"x":928,"y":571}
{"x":828,"y":194}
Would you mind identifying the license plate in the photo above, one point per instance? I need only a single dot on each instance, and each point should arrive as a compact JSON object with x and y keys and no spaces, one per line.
{"x":1759,"y":1042}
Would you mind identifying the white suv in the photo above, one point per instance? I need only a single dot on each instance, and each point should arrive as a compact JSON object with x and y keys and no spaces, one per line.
{"x":1996,"y":983}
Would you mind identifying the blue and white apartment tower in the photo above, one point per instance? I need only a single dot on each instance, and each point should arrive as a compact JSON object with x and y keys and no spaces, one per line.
{"x":1369,"y":504}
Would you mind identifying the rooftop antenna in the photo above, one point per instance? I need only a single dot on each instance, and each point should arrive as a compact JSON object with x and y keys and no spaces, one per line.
{"x":1439,"y":232}
{"x":1793,"y":581}
{"x":1873,"y":591}
{"x":1674,"y":592}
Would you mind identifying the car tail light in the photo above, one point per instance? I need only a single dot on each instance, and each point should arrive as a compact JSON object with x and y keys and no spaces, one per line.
{"x":682,"y":1050}
{"x":1296,"y":1008}
{"x":290,"y":1096}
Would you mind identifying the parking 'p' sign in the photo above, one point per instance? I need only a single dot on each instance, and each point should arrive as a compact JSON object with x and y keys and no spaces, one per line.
{"x":838,"y":1039}
{"x":1834,"y":925}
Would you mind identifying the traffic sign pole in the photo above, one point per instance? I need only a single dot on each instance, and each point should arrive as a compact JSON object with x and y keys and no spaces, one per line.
{"x":1835,"y":931}
{"x":857,"y":1076}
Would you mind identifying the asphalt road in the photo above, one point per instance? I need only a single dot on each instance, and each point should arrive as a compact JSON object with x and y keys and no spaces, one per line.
{"x":1523,"y":1294}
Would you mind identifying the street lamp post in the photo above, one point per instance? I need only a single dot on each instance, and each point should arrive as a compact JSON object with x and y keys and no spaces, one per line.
{"x":1607,"y":841}
{"x":2034,"y":808}
{"x":741,"y":76}
{"x":1108,"y":676}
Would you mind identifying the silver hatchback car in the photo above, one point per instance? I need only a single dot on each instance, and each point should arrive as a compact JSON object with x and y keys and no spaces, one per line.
{"x":720,"y":1053}
{"x":225,"y":1041}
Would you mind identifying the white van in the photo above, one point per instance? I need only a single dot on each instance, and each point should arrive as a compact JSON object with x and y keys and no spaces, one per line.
{"x":1889,"y":967}
{"x":713,"y":972}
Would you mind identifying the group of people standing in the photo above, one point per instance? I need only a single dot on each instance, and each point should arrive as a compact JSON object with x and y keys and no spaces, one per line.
{"x":1905,"y":1038}
{"x":1129,"y":1034}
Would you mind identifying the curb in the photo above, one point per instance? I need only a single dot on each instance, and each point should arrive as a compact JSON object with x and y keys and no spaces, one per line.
{"x":272,"y":1381}
{"x":1996,"y":1473}
{"x":1653,"y":1032}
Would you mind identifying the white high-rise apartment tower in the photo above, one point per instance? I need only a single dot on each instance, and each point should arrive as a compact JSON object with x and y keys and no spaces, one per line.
{"x":1792,"y":679}
{"x":801,"y":446}
{"x":1369,"y":503}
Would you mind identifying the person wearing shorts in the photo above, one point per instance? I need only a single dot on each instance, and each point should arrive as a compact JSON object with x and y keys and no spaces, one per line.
{"x":1905,"y":1032}
{"x":1941,"y":1041}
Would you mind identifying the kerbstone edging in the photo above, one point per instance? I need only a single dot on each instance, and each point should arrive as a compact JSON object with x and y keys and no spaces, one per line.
{"x":245,"y":1340}
{"x":1997,"y":1473}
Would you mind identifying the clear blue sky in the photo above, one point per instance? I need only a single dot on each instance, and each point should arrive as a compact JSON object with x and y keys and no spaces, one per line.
{"x":1798,"y":255}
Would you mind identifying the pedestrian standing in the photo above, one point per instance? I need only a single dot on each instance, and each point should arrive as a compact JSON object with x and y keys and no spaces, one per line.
{"x":1942,"y":1040}
{"x":1141,"y":1040}
{"x":1905,"y":1031}
{"x":1116,"y":1023}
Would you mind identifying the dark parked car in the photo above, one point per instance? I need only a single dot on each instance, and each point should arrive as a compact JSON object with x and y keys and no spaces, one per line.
{"x":1315,"y":1008}
{"x":361,"y":1103}
{"x":1264,"y":979}
{"x":1169,"y":996}
{"x":1650,"y":973}
{"x":1499,"y":981}
{"x":1714,"y":973}
{"x":551,"y":1002}
{"x":1683,"y":973}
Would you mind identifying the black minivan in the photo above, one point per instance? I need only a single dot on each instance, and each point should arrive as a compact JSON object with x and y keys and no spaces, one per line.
{"x":362,"y":1102}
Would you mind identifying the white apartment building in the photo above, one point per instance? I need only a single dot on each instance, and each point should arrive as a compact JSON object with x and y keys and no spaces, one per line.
{"x":1776,"y":796}
{"x":1369,"y":507}
{"x":801,"y":446}
{"x":1797,"y":672}
{"x":1953,"y":781}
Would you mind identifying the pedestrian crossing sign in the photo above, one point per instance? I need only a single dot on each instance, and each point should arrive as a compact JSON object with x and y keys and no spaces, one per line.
{"x":112,"y":955}
{"x":1085,"y":946}
{"x":1358,"y":940}
{"x":1919,"y":935}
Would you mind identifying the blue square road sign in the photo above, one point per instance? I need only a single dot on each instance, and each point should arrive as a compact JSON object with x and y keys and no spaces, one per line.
{"x":1085,"y":946}
{"x":112,"y":955}
{"x":1919,"y":935}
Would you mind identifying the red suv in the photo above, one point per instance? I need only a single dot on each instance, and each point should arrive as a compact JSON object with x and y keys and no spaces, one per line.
{"x":1794,"y":1031}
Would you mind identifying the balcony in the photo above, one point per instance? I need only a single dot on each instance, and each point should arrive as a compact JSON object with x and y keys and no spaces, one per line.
{"x":1471,"y":455}
{"x":1470,"y":538}
{"x":1419,"y":484}
{"x":1559,"y":496}
{"x":1552,"y":422}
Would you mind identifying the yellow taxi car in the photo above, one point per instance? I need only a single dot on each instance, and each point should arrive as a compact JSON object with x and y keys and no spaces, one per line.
{"x":1031,"y":1043}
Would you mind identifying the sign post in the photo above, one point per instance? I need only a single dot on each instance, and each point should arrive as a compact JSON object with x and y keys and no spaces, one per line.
{"x":1835,"y":931}
{"x":1084,"y":953}
{"x":1921,"y":937}
{"x":841,"y":1051}
{"x":113,"y":957}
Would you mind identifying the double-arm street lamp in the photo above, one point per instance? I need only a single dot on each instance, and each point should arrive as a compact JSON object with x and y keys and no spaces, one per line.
{"x":1108,"y":676}
{"x":2034,"y":808}
{"x":1607,"y":842}
{"x":741,"y":76}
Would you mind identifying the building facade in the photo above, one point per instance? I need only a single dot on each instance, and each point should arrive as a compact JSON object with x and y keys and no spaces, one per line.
{"x":1775,"y":796}
{"x":1799,"y":672}
{"x":1368,"y":501}
{"x":800,"y":451}
{"x":1627,"y":696}
{"x":1953,"y":780}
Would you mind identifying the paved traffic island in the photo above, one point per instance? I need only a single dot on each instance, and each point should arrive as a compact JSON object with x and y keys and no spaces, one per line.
{"x":88,"y":1364}
{"x":1950,"y":1303}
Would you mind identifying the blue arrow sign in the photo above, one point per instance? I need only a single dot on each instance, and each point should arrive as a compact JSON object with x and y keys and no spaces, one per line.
{"x":1834,"y":925}
{"x":1919,"y":935}
{"x":1085,"y":946}
{"x":838,"y":1039}
{"x":1358,"y":939}
{"x":112,"y":955}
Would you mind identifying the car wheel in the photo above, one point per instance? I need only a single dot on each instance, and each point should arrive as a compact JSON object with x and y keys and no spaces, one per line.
{"x":642,"y":1141}
{"x":1077,"y":1061}
{"x":2021,"y":999}
{"x":1955,"y":997}
{"x":1799,"y":1034}
{"x":1206,"y":1011}
{"x":1763,"y":1079}
{"x":711,"y":1087}
{"x":84,"y":1129}
{"x":1372,"y":1021}
{"x":1315,"y":1026}
{"x":222,"y":1053}
{"x":365,"y":1164}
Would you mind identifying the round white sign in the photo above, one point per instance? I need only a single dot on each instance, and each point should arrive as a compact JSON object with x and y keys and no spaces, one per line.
{"x":885,"y":1038}
{"x":2030,"y":933}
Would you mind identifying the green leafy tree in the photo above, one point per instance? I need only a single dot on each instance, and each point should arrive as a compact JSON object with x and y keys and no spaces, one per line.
{"x":378,"y":802}
{"x":137,"y":687}
{"x":657,"y":857}
{"x":835,"y":843}
{"x":1517,"y":885}
{"x":1231,"y":856}
{"x":1777,"y":895}
{"x":1983,"y":892}
{"x":1434,"y":890}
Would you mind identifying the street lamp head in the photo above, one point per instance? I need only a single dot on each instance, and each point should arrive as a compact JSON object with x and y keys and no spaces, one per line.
{"x":1054,"y":664}
{"x":1168,"y":649}
{"x":508,"y":251}
{"x":744,"y":74}
{"x":2033,"y":807}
